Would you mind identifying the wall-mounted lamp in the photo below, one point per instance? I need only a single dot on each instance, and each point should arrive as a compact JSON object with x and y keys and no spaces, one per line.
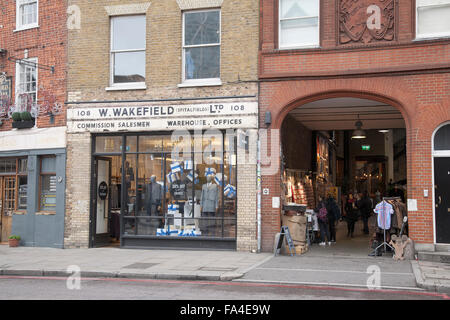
{"x":268,"y":118}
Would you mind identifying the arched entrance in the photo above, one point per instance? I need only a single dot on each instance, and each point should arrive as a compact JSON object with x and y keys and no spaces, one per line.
{"x":441,"y":181}
{"x":323,"y":154}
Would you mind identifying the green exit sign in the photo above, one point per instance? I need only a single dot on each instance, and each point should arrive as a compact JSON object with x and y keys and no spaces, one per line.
{"x":365,"y":148}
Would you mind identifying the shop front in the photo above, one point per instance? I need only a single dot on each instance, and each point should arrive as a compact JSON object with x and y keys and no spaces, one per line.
{"x":32,"y":186}
{"x":163,"y":176}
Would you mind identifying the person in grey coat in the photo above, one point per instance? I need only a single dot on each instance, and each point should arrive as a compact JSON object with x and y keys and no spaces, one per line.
{"x":209,"y":203}
{"x":154,"y":197}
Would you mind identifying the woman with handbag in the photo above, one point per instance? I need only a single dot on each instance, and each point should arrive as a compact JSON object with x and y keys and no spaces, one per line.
{"x":322,"y":215}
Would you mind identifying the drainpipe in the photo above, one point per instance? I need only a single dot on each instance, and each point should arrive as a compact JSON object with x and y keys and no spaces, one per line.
{"x":258,"y":188}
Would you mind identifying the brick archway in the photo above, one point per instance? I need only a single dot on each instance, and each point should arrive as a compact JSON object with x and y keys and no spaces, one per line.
{"x":294,"y":94}
{"x":285,"y":96}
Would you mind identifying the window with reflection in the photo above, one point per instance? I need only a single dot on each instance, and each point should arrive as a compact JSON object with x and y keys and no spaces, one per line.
{"x":299,"y":23}
{"x":15,"y":184}
{"x":201,"y":45}
{"x":432,"y":18}
{"x":178,"y":185}
{"x":48,"y":184}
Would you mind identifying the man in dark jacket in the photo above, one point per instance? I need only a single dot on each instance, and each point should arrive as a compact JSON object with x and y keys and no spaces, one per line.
{"x":334,"y":214}
{"x":365,"y":208}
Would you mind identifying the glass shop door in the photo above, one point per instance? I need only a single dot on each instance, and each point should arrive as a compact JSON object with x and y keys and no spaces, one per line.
{"x":101,"y":203}
{"x":7,"y":205}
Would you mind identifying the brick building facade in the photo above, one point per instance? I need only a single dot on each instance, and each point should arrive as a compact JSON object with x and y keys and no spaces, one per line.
{"x":166,"y":76}
{"x":383,"y":51}
{"x":33,"y":43}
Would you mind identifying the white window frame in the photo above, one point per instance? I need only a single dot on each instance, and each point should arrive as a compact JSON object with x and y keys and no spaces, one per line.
{"x":125,"y":85}
{"x":18,"y":84}
{"x":207,"y":81}
{"x":429,"y":35}
{"x":19,"y":25}
{"x":299,"y":45}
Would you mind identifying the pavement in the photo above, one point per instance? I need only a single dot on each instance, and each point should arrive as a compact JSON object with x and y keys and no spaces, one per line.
{"x":128,"y":263}
{"x":344,"y":264}
{"x":318,"y":267}
{"x":432,"y":276}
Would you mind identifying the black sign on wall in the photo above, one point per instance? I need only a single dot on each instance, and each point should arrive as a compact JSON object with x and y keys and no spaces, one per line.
{"x":102,"y":190}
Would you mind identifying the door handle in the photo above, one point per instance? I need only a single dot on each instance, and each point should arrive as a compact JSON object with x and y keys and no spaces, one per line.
{"x":438,"y":202}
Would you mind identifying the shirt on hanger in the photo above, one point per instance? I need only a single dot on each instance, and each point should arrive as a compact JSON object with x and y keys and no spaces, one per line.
{"x":384,"y":211}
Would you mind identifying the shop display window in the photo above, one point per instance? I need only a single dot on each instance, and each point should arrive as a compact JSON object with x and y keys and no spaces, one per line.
{"x":108,"y":144}
{"x":173,"y":187}
{"x":7,"y":166}
{"x":128,"y":49}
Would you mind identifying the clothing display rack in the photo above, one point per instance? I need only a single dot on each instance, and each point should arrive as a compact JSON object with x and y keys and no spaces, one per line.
{"x":384,"y":244}
{"x":298,"y":187}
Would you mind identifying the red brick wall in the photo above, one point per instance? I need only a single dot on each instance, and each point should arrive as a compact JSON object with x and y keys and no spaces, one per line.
{"x":413,"y":76}
{"x":47,"y":43}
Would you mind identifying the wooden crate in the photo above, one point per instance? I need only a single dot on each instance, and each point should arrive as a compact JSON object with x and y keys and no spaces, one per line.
{"x":299,"y":249}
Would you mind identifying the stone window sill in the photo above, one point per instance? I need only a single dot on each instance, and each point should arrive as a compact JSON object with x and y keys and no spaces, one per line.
{"x":122,"y":87}
{"x":45,"y":213}
{"x":27,"y":27}
{"x":200,"y":83}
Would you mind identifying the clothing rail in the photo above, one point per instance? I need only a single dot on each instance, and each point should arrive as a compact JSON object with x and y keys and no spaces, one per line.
{"x":392,"y":198}
{"x":300,"y":171}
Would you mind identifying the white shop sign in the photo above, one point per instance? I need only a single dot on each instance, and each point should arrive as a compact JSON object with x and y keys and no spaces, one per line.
{"x":169,"y":117}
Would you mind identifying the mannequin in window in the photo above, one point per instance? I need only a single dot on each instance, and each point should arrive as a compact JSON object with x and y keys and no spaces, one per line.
{"x":154,"y":197}
{"x":129,"y":173}
{"x":209,"y":204}
{"x":129,"y":176}
{"x":190,"y":66}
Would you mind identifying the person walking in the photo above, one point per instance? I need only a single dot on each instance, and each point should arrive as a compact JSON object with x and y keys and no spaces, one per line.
{"x":334,"y":214}
{"x":351,"y":215}
{"x":322,"y":215}
{"x":365,"y":207}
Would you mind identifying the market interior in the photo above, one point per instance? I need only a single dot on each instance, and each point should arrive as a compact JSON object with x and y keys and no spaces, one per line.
{"x":344,"y":147}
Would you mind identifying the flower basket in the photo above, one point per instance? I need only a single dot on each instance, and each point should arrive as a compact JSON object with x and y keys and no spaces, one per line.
{"x":14,"y":241}
{"x":23,"y":124}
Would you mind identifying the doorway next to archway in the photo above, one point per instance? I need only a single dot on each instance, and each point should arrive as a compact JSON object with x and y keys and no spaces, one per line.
{"x":441,"y":163}
{"x":353,"y":151}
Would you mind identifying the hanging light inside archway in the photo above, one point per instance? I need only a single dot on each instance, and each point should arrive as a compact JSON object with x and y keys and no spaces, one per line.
{"x":358,"y":133}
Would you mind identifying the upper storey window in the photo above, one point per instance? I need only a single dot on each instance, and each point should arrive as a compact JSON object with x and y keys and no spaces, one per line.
{"x":432,"y":18}
{"x":128,"y":48}
{"x":201,"y":47}
{"x":299,"y":23}
{"x":26,"y":84}
{"x":26,"y":14}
